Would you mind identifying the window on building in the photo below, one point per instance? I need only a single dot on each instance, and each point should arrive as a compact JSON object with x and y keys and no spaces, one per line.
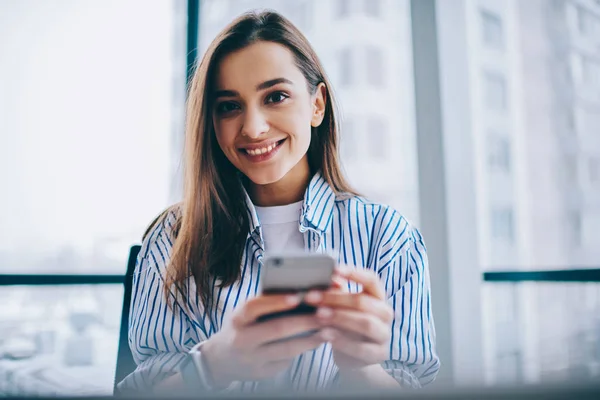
{"x":558,"y":5}
{"x":342,"y":8}
{"x":345,"y":61}
{"x":590,"y":71}
{"x":372,"y":8}
{"x":493,"y":35}
{"x":349,"y":140}
{"x":585,"y":21}
{"x":574,"y":225}
{"x":571,"y":121}
{"x":495,"y":91}
{"x":503,"y":224}
{"x":374,"y":63}
{"x":499,"y":152}
{"x":570,"y":168}
{"x":594,"y":170}
{"x":377,"y":134}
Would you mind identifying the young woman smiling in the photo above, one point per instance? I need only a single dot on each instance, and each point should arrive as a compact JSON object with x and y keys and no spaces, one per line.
{"x":262,"y":174}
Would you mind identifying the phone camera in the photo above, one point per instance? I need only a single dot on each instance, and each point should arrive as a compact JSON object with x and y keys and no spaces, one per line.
{"x":277,"y":262}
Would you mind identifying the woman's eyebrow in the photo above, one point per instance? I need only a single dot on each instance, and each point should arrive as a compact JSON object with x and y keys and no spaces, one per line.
{"x":260,"y":86}
{"x":273,"y":82}
{"x":225,"y":93}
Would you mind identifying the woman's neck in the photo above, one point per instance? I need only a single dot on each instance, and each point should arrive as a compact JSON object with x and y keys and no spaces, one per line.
{"x":289,"y":189}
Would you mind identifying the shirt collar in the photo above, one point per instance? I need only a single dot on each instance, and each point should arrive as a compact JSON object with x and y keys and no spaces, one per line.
{"x":319,"y":200}
{"x":254,"y":223}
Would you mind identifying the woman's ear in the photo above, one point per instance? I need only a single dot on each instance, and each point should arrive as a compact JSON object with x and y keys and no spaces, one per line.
{"x":319,"y":102}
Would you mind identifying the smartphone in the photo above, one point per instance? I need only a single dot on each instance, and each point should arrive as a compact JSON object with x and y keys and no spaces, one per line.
{"x":292,"y":273}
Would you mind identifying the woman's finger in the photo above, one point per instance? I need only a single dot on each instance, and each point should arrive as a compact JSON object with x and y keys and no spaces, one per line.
{"x":263,"y":305}
{"x":339,"y":283}
{"x":367,"y":326}
{"x":368,"y":279}
{"x":369,"y":353}
{"x":352,"y":301}
{"x":288,"y":349}
{"x":280,"y":328}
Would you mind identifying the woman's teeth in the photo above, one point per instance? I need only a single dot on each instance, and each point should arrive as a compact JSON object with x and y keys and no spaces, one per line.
{"x":264,"y":150}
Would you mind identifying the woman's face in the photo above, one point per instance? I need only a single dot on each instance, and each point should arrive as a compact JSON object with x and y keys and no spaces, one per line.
{"x":263,"y":112}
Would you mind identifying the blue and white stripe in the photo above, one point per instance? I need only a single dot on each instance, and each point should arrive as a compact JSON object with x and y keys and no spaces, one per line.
{"x":355,"y":231}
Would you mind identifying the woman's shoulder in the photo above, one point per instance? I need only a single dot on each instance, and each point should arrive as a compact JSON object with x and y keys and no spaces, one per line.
{"x":160,"y":235}
{"x":389,"y":225}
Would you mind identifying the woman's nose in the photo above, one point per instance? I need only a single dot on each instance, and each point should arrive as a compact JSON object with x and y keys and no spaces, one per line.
{"x":255,"y":124}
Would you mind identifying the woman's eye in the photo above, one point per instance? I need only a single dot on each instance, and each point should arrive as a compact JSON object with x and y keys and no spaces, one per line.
{"x":226,"y":107}
{"x":276,"y":97}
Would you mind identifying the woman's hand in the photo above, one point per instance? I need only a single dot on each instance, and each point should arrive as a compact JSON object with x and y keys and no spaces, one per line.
{"x":358,"y":325}
{"x":249,"y":350}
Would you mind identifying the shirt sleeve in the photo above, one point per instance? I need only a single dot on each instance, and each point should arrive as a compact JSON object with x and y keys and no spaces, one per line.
{"x":403,"y":267}
{"x":160,"y":334}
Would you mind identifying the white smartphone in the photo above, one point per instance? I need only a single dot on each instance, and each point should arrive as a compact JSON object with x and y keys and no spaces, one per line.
{"x":296,"y":273}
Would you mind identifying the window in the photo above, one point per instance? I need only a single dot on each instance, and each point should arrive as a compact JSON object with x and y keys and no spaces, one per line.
{"x":570,"y":169}
{"x":82,"y":193}
{"x":571,"y":121}
{"x":372,"y":8}
{"x":558,"y":5}
{"x":348,"y":140}
{"x":503,"y":224}
{"x":590,"y":71}
{"x":585,"y":21}
{"x":374,"y":63}
{"x":499,"y":152}
{"x":342,"y":8}
{"x":495,"y":91}
{"x":345,"y":64}
{"x":594,"y":170}
{"x":493,"y":35}
{"x":377,"y":137}
{"x":574,"y":226}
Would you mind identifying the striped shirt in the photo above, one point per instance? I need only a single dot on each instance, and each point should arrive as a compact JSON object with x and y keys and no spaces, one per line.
{"x":355,"y":231}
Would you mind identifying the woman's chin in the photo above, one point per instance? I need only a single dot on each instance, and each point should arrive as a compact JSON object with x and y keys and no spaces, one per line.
{"x":267,"y":177}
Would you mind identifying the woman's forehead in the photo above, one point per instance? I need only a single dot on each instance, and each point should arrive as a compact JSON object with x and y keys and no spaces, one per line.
{"x":255,"y":64}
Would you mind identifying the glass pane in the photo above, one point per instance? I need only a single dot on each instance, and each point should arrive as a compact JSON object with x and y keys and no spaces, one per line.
{"x":495,"y":91}
{"x":372,"y":80}
{"x":492,"y":30}
{"x":59,"y":340}
{"x":533,"y":112}
{"x":541,"y":332}
{"x":92,"y":95}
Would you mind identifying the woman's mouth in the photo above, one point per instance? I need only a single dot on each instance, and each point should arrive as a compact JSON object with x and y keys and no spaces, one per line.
{"x":258,"y":154}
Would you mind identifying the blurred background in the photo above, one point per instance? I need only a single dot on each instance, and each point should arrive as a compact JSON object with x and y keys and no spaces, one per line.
{"x":479,"y":120}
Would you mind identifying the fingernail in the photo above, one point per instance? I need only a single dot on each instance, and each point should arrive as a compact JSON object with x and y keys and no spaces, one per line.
{"x":293,"y":299}
{"x":313,"y":297}
{"x":324,"y":312}
{"x":328,"y":334}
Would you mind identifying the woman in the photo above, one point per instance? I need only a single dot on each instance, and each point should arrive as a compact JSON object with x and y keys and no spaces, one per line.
{"x":262,"y":174}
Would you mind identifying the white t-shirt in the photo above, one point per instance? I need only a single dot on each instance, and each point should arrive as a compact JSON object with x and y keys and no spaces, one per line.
{"x":280,"y":227}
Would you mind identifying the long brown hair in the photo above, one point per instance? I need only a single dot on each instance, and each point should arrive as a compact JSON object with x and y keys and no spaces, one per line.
{"x":213,"y":223}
